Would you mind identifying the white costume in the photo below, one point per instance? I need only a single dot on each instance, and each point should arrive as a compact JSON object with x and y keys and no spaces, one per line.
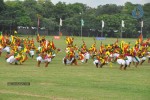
{"x":6,"y":49}
{"x":96,"y":62}
{"x":87,"y":56}
{"x":136,"y":59}
{"x":129,"y":58}
{"x":121,"y":62}
{"x":31,"y":52}
{"x":46,"y":59}
{"x":11,"y":59}
{"x":67,"y":60}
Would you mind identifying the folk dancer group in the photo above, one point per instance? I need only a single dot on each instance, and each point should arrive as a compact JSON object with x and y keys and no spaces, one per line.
{"x":122,"y":53}
{"x":18,"y":50}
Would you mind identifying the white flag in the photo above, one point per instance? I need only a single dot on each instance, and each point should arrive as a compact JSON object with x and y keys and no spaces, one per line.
{"x":102,"y":24}
{"x":60,"y":22}
{"x":122,"y":23}
{"x":141,"y":23}
{"x":82,"y":22}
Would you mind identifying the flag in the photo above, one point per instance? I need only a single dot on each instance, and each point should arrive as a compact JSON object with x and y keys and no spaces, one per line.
{"x":122,"y":23}
{"x":141,"y":23}
{"x":102,"y":24}
{"x":60,"y":22}
{"x":82,"y":22}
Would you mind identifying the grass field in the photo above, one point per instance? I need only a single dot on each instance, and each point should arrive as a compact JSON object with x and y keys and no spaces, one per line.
{"x":82,"y":82}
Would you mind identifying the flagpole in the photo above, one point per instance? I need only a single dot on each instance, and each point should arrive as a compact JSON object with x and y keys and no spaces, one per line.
{"x":60,"y":24}
{"x":59,"y":30}
{"x":141,"y":30}
{"x":38,"y":26}
{"x":82,"y":23}
{"x":102,"y":32}
{"x":37,"y":31}
{"x":121,"y":31}
{"x":81,"y":29}
{"x":141,"y":27}
{"x":122,"y":25}
{"x":102,"y":28}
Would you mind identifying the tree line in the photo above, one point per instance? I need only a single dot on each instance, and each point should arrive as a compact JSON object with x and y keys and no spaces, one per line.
{"x":26,"y":13}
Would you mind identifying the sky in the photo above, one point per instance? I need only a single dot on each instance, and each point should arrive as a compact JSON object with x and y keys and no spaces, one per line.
{"x":95,"y":3}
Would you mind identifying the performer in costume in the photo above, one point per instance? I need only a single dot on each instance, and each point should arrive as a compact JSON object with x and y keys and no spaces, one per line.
{"x":96,"y":60}
{"x":148,"y":53}
{"x":121,"y":61}
{"x":43,"y":58}
{"x":1,"y":48}
{"x":70,"y":59}
{"x":142,"y":55}
{"x":135,"y":55}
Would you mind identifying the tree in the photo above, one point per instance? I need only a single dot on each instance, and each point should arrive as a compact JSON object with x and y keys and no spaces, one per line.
{"x":48,"y":9}
{"x":2,"y":5}
{"x":146,"y":9}
{"x":49,"y":23}
{"x":127,"y":9}
{"x":108,"y":9}
{"x":60,"y":10}
{"x":25,"y":13}
{"x":113,"y":22}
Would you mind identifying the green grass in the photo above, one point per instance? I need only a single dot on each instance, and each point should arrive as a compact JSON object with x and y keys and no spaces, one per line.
{"x":82,"y":82}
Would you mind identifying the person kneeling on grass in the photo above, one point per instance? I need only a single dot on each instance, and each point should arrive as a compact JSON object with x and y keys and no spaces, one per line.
{"x":70,"y":59}
{"x":142,"y":56}
{"x":87,"y":56}
{"x":11,"y":59}
{"x":99,"y":61}
{"x":6,"y":49}
{"x":15,"y":57}
{"x":31,"y":52}
{"x":43,"y":57}
{"x":121,"y":61}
